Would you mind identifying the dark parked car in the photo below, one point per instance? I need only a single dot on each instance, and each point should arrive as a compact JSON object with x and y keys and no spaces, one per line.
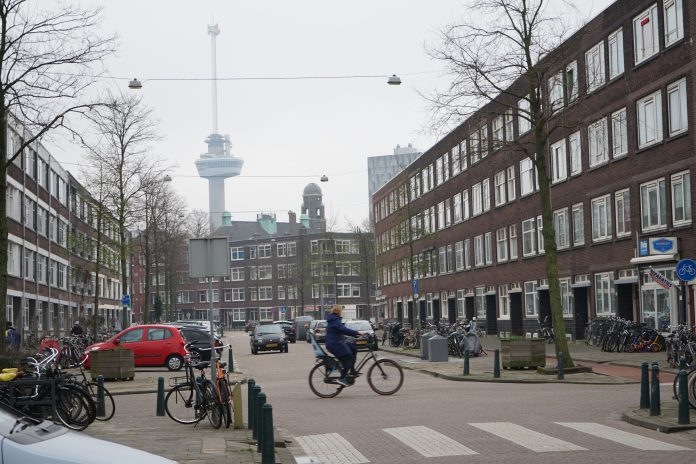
{"x":366,"y":327}
{"x":318,"y":328}
{"x":289,"y":329}
{"x":199,"y":338}
{"x":268,"y":337}
{"x":249,"y":326}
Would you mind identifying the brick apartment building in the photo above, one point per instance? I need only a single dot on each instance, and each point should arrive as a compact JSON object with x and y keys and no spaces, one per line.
{"x":52,"y":247}
{"x":620,"y":156}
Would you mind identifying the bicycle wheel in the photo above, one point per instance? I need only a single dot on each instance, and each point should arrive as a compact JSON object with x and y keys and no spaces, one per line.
{"x":385,"y":377}
{"x":180,"y":405}
{"x":321,"y":385}
{"x":226,"y":402}
{"x":92,"y":388}
{"x":74,"y":408}
{"x":212,"y":404}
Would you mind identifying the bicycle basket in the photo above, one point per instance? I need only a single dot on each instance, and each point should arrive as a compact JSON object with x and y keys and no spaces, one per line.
{"x":174,"y":381}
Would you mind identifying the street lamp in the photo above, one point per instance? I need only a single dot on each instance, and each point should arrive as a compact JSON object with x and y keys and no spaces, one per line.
{"x":135,"y":84}
{"x":394,"y":80}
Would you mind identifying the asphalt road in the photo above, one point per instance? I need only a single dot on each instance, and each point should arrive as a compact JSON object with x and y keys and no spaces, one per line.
{"x":439,"y":421}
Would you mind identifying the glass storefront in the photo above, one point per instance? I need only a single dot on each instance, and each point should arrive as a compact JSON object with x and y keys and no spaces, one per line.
{"x":658,"y":306}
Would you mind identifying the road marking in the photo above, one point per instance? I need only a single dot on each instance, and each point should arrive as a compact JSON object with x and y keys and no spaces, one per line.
{"x":428,"y":442}
{"x":331,"y":448}
{"x":530,"y":439}
{"x":619,"y":436}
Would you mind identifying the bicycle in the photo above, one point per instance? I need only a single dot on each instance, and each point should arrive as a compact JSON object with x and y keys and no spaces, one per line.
{"x":222,"y":383}
{"x":92,"y":389}
{"x":195,"y":398}
{"x":384,"y":376}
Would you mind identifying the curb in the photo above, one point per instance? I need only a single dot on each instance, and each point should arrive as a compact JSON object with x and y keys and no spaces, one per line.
{"x":654,"y":423}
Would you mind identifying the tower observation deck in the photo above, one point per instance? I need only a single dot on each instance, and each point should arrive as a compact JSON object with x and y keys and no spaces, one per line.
{"x":217,"y":164}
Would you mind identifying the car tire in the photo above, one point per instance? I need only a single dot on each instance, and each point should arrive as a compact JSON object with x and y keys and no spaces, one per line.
{"x":174,"y":362}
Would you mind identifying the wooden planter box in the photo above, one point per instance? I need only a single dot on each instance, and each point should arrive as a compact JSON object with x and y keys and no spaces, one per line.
{"x":112,"y":364}
{"x":522,"y":353}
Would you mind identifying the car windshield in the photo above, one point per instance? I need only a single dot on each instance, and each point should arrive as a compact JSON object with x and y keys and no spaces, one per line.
{"x":359,"y":325}
{"x":268,"y":329}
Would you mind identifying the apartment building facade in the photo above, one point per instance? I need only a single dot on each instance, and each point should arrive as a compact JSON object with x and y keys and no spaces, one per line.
{"x":52,"y":246}
{"x":620,"y":155}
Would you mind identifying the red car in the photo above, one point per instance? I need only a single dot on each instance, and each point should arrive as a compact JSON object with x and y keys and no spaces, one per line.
{"x":152,"y":345}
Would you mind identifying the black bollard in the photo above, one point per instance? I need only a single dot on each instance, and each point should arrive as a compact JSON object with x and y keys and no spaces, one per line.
{"x":268,"y":446}
{"x":682,"y":363}
{"x":250,"y":402}
{"x":683,"y":397}
{"x":254,"y":412}
{"x":559,"y":368}
{"x":160,"y":396}
{"x":496,"y":364}
{"x":258,"y":420}
{"x":644,"y":386}
{"x":655,"y":390}
{"x":101,"y":410}
{"x":466,"y":362}
{"x":230,"y":360}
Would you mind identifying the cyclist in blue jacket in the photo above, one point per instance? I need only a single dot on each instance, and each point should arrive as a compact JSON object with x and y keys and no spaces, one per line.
{"x":337,"y":345}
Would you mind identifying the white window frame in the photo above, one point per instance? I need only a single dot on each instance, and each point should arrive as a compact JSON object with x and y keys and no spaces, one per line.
{"x":512,"y":240}
{"x":622,"y":212}
{"x":598,"y":141}
{"x":601,"y":218}
{"x":457,"y":207}
{"x":604,"y":293}
{"x":555,"y":86}
{"x":526,"y":177}
{"x":488,"y":248}
{"x":673,"y":21}
{"x":511,"y":187}
{"x":594,"y":67}
{"x":616,"y":53}
{"x":509,"y":125}
{"x":459,"y":256}
{"x":619,"y":133}
{"x":486,"y":194}
{"x":646,"y":42}
{"x":501,"y":245}
{"x":476,"y":199}
{"x":529,"y":239}
{"x":677,"y":107}
{"x":571,"y":87}
{"x":560,"y":225}
{"x":478,"y":251}
{"x":575,"y":153}
{"x":524,"y":123}
{"x":559,"y":163}
{"x":653,"y":205}
{"x":500,"y":183}
{"x":497,"y":135}
{"x":531,"y":299}
{"x":578,"y":224}
{"x":681,"y":195}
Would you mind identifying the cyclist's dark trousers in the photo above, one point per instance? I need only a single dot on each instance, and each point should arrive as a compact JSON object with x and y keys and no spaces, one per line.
{"x":347,"y":364}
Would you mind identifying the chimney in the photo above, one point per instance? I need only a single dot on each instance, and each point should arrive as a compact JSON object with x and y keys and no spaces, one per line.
{"x":292,"y":222}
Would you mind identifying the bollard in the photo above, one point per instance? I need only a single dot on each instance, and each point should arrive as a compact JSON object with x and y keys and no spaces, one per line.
{"x":655,"y":390}
{"x":250,"y":402}
{"x":644,"y":386}
{"x":237,"y":405}
{"x":101,"y":410}
{"x":268,"y":446}
{"x":230,"y":360}
{"x":254,"y":413}
{"x":496,"y":365}
{"x":160,"y":396}
{"x":559,"y":368}
{"x":466,"y":362}
{"x":258,"y":420}
{"x":683,"y":397}
{"x":682,"y":363}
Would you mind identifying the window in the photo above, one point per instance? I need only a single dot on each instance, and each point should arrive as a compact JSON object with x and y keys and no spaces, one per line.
{"x":486,"y":194}
{"x":601,"y":218}
{"x":488,"y":247}
{"x":504,"y":301}
{"x":575,"y":154}
{"x":555,"y":84}
{"x":571,"y":81}
{"x":619,"y":133}
{"x":264,"y":251}
{"x":342,"y":246}
{"x":497,"y":135}
{"x":467,"y":254}
{"x":526,"y":177}
{"x":653,"y":205}
{"x":438,"y":171}
{"x":513,"y":241}
{"x":531,"y":299}
{"x":463,"y":156}
{"x":681,"y":198}
{"x":560,"y":224}
{"x":616,"y":54}
{"x":558,"y":162}
{"x":477,"y":201}
{"x":456,"y":166}
{"x":674,"y":21}
{"x":604,"y":293}
{"x":540,"y":235}
{"x":524,"y":123}
{"x":594,"y":65}
{"x":478,"y":251}
{"x":237,"y":273}
{"x":238,"y":294}
{"x":509,"y":126}
{"x":645,"y":39}
{"x":511,"y":183}
{"x":500,"y":197}
{"x":529,"y":237}
{"x":443,"y":259}
{"x":265,"y":293}
{"x":622,"y":205}
{"x":459,"y":256}
{"x":441,"y":215}
{"x":480,"y":302}
{"x":237,"y":253}
{"x":578,"y":225}
{"x":649,"y":119}
{"x":597,"y":140}
{"x":566,"y":297}
{"x":457,"y":202}
{"x":501,"y":244}
{"x":676,"y":99}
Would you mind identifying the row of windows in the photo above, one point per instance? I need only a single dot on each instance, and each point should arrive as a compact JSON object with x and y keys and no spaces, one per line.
{"x":263,"y":251}
{"x":265,"y":293}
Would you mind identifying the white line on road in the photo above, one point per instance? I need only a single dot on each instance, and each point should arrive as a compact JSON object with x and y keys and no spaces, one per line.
{"x":428,"y":442}
{"x":530,"y":439}
{"x":619,"y":436}
{"x":331,"y":448}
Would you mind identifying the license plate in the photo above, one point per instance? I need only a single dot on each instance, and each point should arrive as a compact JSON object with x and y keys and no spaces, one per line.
{"x":361,"y":342}
{"x":272,"y":345}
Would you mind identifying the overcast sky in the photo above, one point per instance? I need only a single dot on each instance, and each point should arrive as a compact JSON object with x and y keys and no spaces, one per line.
{"x":290,"y":127}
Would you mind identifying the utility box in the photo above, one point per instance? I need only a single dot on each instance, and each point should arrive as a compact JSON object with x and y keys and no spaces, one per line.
{"x":437,"y":349}
{"x":424,"y":343}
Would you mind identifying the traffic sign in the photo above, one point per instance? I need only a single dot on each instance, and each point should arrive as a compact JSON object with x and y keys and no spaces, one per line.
{"x":686,"y":270}
{"x":125,"y":300}
{"x":283,"y":309}
{"x":414,"y":286}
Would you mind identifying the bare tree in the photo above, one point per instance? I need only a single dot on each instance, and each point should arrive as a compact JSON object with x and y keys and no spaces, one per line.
{"x":197,"y":224}
{"x":504,"y":58}
{"x":45,"y":67}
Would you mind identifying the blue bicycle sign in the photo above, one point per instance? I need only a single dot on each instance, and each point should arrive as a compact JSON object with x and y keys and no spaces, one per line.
{"x":686,"y":270}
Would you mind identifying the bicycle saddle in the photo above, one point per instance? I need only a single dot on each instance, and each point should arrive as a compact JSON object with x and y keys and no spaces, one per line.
{"x":202,"y":365}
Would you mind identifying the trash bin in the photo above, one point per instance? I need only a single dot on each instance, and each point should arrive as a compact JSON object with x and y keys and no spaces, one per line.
{"x":437,"y":349}
{"x":424,"y":343}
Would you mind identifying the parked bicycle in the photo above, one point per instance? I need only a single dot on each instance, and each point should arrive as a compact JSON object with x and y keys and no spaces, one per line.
{"x":545,"y":330}
{"x":222,"y":383}
{"x":384,"y":376}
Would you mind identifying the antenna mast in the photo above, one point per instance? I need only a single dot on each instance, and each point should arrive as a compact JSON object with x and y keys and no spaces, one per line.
{"x":214,"y":30}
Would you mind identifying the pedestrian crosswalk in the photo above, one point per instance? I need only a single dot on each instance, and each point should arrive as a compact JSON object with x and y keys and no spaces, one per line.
{"x":425,"y":442}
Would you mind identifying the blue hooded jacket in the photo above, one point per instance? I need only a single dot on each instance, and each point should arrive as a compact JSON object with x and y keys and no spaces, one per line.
{"x":335,"y":330}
